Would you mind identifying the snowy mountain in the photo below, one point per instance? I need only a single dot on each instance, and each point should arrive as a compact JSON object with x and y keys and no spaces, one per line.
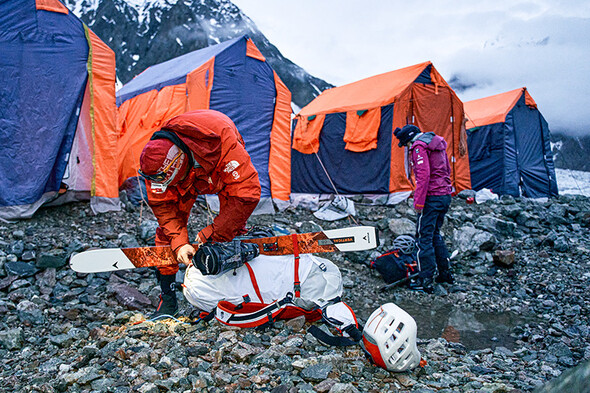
{"x":147,"y":32}
{"x":571,"y":152}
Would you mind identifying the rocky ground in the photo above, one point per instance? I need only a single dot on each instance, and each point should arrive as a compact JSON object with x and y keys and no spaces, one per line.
{"x":516,"y":318}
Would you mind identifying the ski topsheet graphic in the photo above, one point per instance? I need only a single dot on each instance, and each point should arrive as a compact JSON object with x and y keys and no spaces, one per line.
{"x":344,"y":239}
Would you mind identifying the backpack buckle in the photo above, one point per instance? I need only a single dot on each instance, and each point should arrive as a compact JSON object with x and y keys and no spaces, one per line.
{"x":268,"y":247}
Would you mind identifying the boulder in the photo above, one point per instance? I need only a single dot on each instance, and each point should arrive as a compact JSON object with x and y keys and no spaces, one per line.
{"x":147,"y":229}
{"x":51,"y":259}
{"x":402,"y":226}
{"x":496,"y":225}
{"x":561,"y":244}
{"x":128,"y":240}
{"x":466,"y":194}
{"x":573,"y":380}
{"x":12,"y":338}
{"x":504,"y":257}
{"x":130,"y":297}
{"x":31,"y":312}
{"x":20,"y":269}
{"x":470,"y":240}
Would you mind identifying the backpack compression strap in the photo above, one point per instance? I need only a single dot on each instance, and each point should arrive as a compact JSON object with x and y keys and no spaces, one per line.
{"x":297,"y":284}
{"x":250,"y":314}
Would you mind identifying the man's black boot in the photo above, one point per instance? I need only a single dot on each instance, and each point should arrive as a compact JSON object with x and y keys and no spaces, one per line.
{"x":168,"y":304}
{"x":422,"y":284}
{"x":445,"y":276}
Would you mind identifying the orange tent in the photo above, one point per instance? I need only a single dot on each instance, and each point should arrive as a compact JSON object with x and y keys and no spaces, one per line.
{"x":57,"y":116}
{"x":510,"y":146}
{"x":493,"y":109}
{"x":344,"y":138}
{"x":232,"y":77}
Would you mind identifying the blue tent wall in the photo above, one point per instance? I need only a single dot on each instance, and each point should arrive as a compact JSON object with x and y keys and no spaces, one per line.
{"x":351,"y":172}
{"x":43,"y":74}
{"x":535,"y":161}
{"x":513,"y":156}
{"x":244,"y":90}
{"x":486,"y":157}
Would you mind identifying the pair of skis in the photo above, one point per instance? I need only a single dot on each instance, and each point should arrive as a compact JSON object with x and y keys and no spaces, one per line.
{"x":357,"y":238}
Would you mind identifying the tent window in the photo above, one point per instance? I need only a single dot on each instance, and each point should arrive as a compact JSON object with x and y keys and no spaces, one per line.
{"x":306,"y":137}
{"x":362,"y":129}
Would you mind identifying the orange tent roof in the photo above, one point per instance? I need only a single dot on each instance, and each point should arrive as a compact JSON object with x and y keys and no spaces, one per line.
{"x":376,"y":91}
{"x":493,"y":109}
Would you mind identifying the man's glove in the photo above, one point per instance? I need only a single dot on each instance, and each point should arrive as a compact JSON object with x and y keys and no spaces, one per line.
{"x":218,"y":258}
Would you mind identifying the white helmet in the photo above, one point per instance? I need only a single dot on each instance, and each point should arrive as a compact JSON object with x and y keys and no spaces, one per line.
{"x":405,"y":243}
{"x":390,"y":338}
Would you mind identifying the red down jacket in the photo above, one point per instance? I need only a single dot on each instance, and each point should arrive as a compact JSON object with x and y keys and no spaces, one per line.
{"x":226,"y":170}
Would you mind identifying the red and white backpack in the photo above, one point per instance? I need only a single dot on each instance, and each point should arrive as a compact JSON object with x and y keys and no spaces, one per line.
{"x":270,"y":288}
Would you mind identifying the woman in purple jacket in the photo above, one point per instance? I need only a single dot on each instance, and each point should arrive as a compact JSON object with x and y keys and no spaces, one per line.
{"x":432,"y":199}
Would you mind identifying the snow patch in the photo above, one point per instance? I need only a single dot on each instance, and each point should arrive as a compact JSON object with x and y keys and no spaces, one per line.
{"x":109,"y":21}
{"x":573,"y":182}
{"x":80,"y":8}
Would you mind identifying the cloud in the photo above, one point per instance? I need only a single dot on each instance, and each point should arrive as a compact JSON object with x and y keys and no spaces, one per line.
{"x":489,"y":47}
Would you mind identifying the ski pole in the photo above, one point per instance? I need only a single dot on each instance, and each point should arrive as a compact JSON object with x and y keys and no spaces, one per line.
{"x":398,"y":282}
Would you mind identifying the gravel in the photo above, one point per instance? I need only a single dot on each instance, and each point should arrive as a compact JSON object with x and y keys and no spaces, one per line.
{"x":502,"y":327}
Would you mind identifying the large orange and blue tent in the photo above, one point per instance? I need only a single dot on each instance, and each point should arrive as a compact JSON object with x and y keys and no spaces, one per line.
{"x":57,"y":110}
{"x":510,"y":146}
{"x":232,"y":77}
{"x":343,"y":140}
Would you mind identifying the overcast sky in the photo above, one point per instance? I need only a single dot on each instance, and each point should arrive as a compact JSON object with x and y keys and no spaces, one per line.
{"x":492,"y":45}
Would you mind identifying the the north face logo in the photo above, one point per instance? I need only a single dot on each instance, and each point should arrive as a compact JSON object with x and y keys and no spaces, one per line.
{"x":231,"y":166}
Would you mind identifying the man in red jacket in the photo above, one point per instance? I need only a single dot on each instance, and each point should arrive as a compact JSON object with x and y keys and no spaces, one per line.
{"x":432,"y":198}
{"x":199,"y":152}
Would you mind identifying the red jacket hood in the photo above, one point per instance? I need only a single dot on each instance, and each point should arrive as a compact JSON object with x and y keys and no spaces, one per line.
{"x":203,"y":132}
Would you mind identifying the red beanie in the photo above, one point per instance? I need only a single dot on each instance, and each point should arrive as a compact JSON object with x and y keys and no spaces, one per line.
{"x":161,"y":155}
{"x":153,"y":155}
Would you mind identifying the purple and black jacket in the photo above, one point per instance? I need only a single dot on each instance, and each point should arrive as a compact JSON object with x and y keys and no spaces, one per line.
{"x":431,"y":167}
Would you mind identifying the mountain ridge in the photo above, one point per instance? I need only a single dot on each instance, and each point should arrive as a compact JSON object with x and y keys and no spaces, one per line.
{"x":143,"y":33}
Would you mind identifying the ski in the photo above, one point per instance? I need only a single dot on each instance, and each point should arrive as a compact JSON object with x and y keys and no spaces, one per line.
{"x":357,"y":238}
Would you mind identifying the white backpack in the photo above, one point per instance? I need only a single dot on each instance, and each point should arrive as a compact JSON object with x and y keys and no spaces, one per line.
{"x":269,"y":288}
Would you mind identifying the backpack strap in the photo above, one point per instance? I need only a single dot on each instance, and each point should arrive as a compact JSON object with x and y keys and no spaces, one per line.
{"x":335,"y":341}
{"x":341,"y":316}
{"x":251,"y":314}
{"x":254,"y":282}
{"x":296,"y":284}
